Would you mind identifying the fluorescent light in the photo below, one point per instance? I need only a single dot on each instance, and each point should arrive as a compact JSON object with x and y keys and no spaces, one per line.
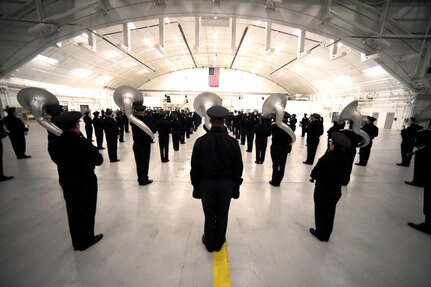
{"x":313,"y":60}
{"x":85,"y":35}
{"x":320,"y":85}
{"x":280,"y":47}
{"x":373,"y":71}
{"x":340,"y":44}
{"x":46,"y":60}
{"x":131,"y":25}
{"x":148,"y":43}
{"x":112,"y":54}
{"x":167,"y":21}
{"x":130,"y":64}
{"x":215,"y":17}
{"x":344,"y":81}
{"x":104,"y":78}
{"x":80,"y":72}
{"x":297,"y":32}
{"x":297,"y":69}
{"x":176,"y":39}
{"x":257,"y":22}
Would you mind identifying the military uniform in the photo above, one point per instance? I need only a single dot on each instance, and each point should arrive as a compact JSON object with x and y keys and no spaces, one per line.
{"x":372,"y":131}
{"x":281,"y":146}
{"x":111,"y":133}
{"x":17,"y":132}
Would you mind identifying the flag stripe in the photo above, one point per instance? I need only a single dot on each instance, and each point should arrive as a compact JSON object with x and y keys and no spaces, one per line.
{"x":213,"y":77}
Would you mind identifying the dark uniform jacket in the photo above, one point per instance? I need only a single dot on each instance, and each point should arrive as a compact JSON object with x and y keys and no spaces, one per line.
{"x":371,"y":130}
{"x":75,"y":157}
{"x":138,"y":135}
{"x":216,"y":156}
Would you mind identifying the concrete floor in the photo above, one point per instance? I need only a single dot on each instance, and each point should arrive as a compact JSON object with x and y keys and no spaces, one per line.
{"x":153,"y":233}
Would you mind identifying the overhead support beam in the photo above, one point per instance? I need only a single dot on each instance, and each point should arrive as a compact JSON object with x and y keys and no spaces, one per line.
{"x":39,"y":10}
{"x":187,"y":44}
{"x":327,"y":15}
{"x":160,"y":2}
{"x":293,"y":60}
{"x":382,"y":18}
{"x":197,"y":34}
{"x":239,"y":46}
{"x":333,"y":51}
{"x":161,"y":45}
{"x":268,"y":50}
{"x":273,"y":4}
{"x":422,"y":65}
{"x":127,"y":39}
{"x":233,"y":35}
{"x":92,"y":41}
{"x":301,"y":45}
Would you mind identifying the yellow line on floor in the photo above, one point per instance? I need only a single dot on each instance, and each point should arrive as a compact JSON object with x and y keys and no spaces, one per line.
{"x":221,"y":268}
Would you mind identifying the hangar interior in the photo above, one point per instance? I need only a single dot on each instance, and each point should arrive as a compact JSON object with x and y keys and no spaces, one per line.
{"x":320,"y":55}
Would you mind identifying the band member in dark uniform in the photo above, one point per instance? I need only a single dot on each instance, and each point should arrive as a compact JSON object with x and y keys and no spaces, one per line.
{"x":422,"y":163}
{"x":176,"y":131}
{"x":304,"y":124}
{"x":330,"y":173}
{"x":98,"y":130}
{"x":76,"y":159}
{"x":216,"y":170}
{"x":53,"y":110}
{"x":314,"y":131}
{"x":126,"y":122}
{"x":408,"y":136}
{"x":142,"y":146}
{"x":163,"y":127}
{"x":120,"y":122}
{"x":88,"y":125}
{"x":372,"y":131}
{"x":281,"y":146}
{"x":17,"y":131}
{"x":292,"y":122}
{"x":262,"y":132}
{"x":349,"y":152}
{"x":2,"y":132}
{"x":251,"y":124}
{"x":425,"y":226}
{"x":111,"y":133}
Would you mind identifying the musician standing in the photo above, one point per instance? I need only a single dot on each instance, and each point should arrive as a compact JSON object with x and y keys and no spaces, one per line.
{"x":88,"y":125}
{"x":76,"y":159}
{"x":314,"y":131}
{"x":330,"y":173}
{"x":17,"y":132}
{"x":372,"y":131}
{"x":2,"y":132}
{"x":98,"y":130}
{"x":111,"y":133}
{"x":408,"y":136}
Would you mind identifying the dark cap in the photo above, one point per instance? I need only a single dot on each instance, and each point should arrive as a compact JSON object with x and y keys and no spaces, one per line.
{"x":96,"y":113}
{"x":371,"y":119}
{"x":54,"y":109}
{"x":10,"y":110}
{"x":413,"y":119}
{"x":140,"y":108}
{"x":86,"y":112}
{"x":68,"y":117}
{"x":286,"y":115}
{"x":217,"y":112}
{"x":339,"y":139}
{"x":108,"y":112}
{"x":317,"y":116}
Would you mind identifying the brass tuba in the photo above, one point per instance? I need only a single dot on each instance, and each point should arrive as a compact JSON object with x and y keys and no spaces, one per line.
{"x":125,"y":97}
{"x":35,"y":100}
{"x":350,"y":113}
{"x":274,"y":107}
{"x":203,"y":102}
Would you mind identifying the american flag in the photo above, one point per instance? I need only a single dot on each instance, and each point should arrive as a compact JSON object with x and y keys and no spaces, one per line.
{"x":213,"y":77}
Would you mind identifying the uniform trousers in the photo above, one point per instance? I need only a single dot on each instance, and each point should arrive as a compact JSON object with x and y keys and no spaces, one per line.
{"x":250,"y":139}
{"x":216,"y":197}
{"x":164,"y":147}
{"x":279,"y":158}
{"x":89,"y":132}
{"x":364,"y":153}
{"x":176,"y":140}
{"x":324,"y":213}
{"x":18,"y":144}
{"x":261,"y":144}
{"x":112,"y":143}
{"x":311,"y":150}
{"x":142,"y":152}
{"x":81,"y":198}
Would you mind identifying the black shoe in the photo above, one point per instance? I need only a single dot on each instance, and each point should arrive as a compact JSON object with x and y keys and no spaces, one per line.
{"x":24,"y":156}
{"x":96,"y":239}
{"x":273,"y":184}
{"x":257,"y":162}
{"x":421,"y":227}
{"x":146,"y":183}
{"x":314,"y":232}
{"x":401,"y":164}
{"x":248,"y":151}
{"x":309,"y":163}
{"x":413,"y":183}
{"x":101,"y":147}
{"x":220,"y":246}
{"x":4,"y":177}
{"x":360,"y":164}
{"x":165,"y":160}
{"x":122,"y":141}
{"x":203,"y":241}
{"x":115,"y":160}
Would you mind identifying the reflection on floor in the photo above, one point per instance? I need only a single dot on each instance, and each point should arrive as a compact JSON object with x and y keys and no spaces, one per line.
{"x":153,"y":233}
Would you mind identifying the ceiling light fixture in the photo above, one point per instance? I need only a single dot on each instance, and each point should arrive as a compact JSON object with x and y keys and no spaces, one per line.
{"x":148,"y":43}
{"x":80,"y":72}
{"x":131,"y":25}
{"x":46,"y":60}
{"x":374,"y":71}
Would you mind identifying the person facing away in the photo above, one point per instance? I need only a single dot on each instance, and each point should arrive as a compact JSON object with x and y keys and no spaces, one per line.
{"x":304,"y":123}
{"x":88,"y":125}
{"x":142,"y":145}
{"x":176,"y":131}
{"x":111,"y":133}
{"x":330,"y":173}
{"x":120,"y":123}
{"x":216,"y":176}
{"x":281,"y":146}
{"x":262,"y":132}
{"x":2,"y":132}
{"x":163,"y":127}
{"x":17,"y":131}
{"x":98,"y":130}
{"x":292,"y":122}
{"x":408,"y":136}
{"x":372,"y":131}
{"x":76,"y":159}
{"x":314,"y":131}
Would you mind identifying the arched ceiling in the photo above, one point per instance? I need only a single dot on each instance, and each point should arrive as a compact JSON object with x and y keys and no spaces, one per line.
{"x":115,"y":43}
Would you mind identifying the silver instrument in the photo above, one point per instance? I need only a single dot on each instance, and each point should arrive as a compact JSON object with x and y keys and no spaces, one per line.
{"x":274,"y":106}
{"x":351,"y":113}
{"x":203,"y":102}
